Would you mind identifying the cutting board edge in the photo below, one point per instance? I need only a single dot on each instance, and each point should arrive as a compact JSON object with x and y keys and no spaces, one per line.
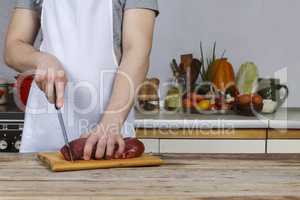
{"x":59,"y":168}
{"x":45,"y":161}
{"x":63,"y":166}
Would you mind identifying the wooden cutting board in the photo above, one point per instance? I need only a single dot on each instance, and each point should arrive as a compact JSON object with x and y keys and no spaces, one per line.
{"x":57,"y":163}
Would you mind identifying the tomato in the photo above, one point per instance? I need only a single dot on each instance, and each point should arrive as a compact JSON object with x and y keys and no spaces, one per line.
{"x":187,"y":103}
{"x":257,"y":100}
{"x":213,"y":107}
{"x":244,"y":99}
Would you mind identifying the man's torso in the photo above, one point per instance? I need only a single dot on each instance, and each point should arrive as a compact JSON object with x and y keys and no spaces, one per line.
{"x":118,"y":11}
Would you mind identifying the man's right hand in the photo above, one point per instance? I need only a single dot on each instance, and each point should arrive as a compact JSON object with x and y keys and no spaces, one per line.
{"x":21,"y":55}
{"x":50,"y":75}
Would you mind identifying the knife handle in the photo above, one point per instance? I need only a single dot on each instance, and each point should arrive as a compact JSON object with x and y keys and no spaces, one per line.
{"x":55,"y":97}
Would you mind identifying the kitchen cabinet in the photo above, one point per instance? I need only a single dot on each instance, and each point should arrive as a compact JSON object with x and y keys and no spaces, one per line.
{"x":187,"y":133}
{"x":211,"y":146}
{"x":283,"y":141}
{"x":284,"y":131}
{"x":151,"y":145}
{"x":283,"y":146}
{"x":204,"y":141}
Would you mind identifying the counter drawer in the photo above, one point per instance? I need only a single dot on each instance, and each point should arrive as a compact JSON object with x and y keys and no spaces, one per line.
{"x":255,"y":134}
{"x":283,"y":146}
{"x":151,"y":145}
{"x":211,"y":146}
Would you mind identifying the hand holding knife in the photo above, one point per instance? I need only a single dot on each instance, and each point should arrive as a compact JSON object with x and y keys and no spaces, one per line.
{"x":62,"y":125}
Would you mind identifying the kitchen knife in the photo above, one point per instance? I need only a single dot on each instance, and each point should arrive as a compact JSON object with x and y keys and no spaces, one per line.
{"x":62,"y":125}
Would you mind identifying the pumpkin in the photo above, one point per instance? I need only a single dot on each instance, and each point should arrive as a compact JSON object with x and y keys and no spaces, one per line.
{"x":211,"y":70}
{"x":223,"y":76}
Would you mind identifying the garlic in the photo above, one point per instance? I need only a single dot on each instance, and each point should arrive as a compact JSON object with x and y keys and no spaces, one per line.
{"x":229,"y":98}
{"x":269,"y":106}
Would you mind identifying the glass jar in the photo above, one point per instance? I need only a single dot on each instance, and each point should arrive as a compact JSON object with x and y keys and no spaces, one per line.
{"x":173,"y":99}
{"x":3,"y":91}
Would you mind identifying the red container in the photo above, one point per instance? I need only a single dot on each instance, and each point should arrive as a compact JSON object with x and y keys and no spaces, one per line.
{"x":23,"y":85}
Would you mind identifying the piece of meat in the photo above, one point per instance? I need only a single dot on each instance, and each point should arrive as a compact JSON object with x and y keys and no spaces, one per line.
{"x":133,"y":148}
{"x":77,"y":147}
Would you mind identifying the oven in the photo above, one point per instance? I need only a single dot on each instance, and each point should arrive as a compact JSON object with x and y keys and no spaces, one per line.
{"x":10,"y":135}
{"x":11,"y":127}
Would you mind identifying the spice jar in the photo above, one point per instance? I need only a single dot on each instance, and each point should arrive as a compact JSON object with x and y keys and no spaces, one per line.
{"x":148,"y":99}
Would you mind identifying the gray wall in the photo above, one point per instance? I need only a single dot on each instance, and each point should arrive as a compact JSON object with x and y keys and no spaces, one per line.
{"x":263,"y":31}
{"x":5,"y":11}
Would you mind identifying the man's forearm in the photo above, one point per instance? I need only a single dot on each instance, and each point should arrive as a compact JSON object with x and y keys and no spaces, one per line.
{"x":22,"y":31}
{"x":132,"y":72}
{"x":21,"y":56}
{"x":138,"y":28}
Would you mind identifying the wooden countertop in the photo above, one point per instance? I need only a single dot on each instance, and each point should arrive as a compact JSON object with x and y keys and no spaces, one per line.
{"x":183,"y":177}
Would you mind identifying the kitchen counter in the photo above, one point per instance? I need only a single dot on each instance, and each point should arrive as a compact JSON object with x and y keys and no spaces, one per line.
{"x":166,"y":120}
{"x":192,"y":133}
{"x":184,"y":176}
{"x":195,"y":133}
{"x":284,"y":118}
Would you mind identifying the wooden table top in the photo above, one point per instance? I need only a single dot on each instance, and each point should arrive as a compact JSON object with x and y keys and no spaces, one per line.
{"x":184,"y":176}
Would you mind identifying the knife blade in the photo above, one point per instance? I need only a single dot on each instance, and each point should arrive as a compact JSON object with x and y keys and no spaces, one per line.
{"x":62,"y":126}
{"x":64,"y":132}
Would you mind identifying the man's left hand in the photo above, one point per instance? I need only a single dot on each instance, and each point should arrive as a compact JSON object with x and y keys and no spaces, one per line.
{"x":105,"y":142}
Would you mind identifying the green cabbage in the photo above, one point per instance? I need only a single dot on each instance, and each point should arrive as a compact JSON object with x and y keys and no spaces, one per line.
{"x":247,"y":77}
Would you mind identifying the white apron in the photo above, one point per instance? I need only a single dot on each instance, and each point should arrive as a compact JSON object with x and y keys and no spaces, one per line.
{"x":80,"y":34}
